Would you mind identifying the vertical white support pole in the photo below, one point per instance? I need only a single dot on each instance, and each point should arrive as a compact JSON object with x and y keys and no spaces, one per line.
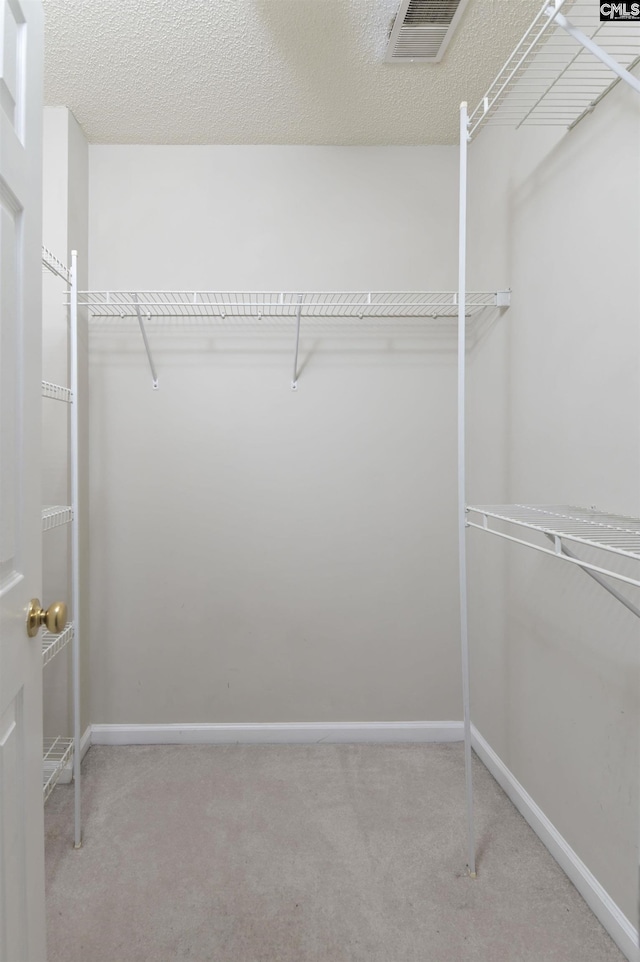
{"x":462,"y":504}
{"x":75,"y":542}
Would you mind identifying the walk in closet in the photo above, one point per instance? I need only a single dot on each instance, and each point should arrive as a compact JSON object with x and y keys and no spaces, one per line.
{"x":319,"y":379}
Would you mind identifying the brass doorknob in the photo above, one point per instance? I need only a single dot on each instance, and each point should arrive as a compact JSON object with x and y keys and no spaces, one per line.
{"x":54,"y":617}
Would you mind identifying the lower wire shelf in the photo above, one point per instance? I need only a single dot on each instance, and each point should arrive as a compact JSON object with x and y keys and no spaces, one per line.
{"x":57,"y":753}
{"x":616,"y":534}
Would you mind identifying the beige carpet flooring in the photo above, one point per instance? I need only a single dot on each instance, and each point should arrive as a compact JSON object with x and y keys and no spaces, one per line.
{"x":325,"y":853}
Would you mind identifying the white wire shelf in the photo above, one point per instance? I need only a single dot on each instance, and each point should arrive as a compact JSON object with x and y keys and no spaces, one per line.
{"x":55,"y":265}
{"x":57,"y":753}
{"x":550,"y":78}
{"x":229,"y":307}
{"x":613,"y":533}
{"x":54,"y":515}
{"x":56,"y":392}
{"x":52,"y":645}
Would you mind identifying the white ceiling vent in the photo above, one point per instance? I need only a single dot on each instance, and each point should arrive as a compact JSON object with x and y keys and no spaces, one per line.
{"x":423,"y":29}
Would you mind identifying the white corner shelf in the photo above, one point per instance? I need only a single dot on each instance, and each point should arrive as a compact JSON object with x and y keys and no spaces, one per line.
{"x":225,"y":306}
{"x":57,"y":753}
{"x":616,"y":534}
{"x":56,"y":392}
{"x":52,"y":645}
{"x":54,"y":515}
{"x":551,"y":78}
{"x":55,"y":266}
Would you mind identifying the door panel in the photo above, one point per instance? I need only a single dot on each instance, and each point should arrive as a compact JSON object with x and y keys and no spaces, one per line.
{"x":9,"y":467}
{"x":13,"y":901}
{"x":12,"y":64}
{"x":22,"y":927}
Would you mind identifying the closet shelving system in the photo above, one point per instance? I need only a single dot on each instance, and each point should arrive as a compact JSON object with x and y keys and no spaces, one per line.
{"x":565,"y":64}
{"x":266,"y":311}
{"x":58,"y":752}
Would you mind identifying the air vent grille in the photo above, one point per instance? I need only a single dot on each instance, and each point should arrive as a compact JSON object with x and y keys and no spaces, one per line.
{"x":421,"y":12}
{"x":423,"y":29}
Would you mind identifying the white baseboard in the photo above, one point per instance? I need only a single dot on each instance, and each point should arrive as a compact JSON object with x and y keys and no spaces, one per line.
{"x":278,"y":733}
{"x":66,"y":774}
{"x":601,"y":904}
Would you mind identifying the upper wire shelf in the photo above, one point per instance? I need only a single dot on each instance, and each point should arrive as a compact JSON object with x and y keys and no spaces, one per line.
{"x":55,"y":265}
{"x":551,"y":78}
{"x":224,"y":306}
{"x":617,"y":534}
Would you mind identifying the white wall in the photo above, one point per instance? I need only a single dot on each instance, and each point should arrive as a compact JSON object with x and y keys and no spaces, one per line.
{"x":258,"y":554}
{"x":553,"y":402}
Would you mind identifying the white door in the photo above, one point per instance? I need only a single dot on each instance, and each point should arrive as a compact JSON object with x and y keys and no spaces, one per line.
{"x":22,"y":918}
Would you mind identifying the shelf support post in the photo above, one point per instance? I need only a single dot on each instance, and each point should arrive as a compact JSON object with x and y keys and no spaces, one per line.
{"x":294,"y":381}
{"x":595,"y":49}
{"x":462,"y":506}
{"x":75,"y":543}
{"x":146,"y":343}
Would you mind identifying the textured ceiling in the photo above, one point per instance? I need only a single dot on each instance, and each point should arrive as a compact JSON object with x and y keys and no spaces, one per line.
{"x":264,"y":71}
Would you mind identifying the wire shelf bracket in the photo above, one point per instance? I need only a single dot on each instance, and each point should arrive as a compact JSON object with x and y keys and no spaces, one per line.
{"x":294,"y":380}
{"x":599,"y":579}
{"x":145,"y":341}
